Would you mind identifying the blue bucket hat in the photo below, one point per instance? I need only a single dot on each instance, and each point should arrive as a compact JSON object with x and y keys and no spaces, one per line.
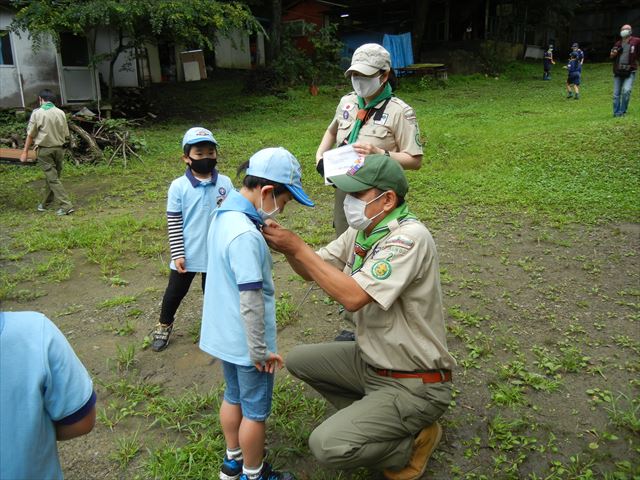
{"x":279,"y":165}
{"x":197,"y":135}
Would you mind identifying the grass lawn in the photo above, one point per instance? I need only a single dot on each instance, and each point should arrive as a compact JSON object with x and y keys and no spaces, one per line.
{"x":534,"y":203}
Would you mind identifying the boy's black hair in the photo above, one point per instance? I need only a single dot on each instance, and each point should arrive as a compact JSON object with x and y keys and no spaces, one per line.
{"x":187,"y":148}
{"x":47,"y":95}
{"x":252,"y":182}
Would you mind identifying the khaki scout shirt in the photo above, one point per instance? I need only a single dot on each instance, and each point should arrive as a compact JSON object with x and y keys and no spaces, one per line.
{"x":396,"y":131}
{"x":48,"y":127}
{"x":403,"y":328}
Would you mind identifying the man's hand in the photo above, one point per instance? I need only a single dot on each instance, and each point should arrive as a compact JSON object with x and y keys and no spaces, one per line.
{"x":281,"y":239}
{"x":270,"y":365}
{"x":180,"y":264}
{"x":24,"y":157}
{"x":364,"y":149}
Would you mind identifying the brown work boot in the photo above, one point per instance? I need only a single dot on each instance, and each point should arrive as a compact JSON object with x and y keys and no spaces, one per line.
{"x":423,"y":446}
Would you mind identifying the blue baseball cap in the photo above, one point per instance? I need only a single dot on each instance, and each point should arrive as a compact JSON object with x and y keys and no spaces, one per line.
{"x":196,"y":135}
{"x":279,"y":165}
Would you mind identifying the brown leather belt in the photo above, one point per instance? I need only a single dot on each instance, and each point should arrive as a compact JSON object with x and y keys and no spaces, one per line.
{"x":431,"y":376}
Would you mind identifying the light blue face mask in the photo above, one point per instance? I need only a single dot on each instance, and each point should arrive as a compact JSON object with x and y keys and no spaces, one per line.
{"x":268,"y":215}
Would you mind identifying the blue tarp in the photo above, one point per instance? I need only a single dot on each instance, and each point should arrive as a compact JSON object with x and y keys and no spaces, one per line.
{"x":399,"y":46}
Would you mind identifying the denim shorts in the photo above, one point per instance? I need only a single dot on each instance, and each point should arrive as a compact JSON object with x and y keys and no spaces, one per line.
{"x":249,"y":388}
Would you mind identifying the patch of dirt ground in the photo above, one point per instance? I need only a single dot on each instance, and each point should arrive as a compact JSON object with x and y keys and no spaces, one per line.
{"x":542,"y":320}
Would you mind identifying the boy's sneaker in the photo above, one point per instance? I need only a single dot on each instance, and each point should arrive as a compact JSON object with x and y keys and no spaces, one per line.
{"x":41,"y":208}
{"x":576,"y":97}
{"x":62,"y":212}
{"x":569,"y":95}
{"x":268,"y":473}
{"x":230,"y":469}
{"x":161,"y":337}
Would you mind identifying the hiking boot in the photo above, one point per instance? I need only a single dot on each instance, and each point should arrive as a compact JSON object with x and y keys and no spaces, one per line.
{"x":230,"y":469}
{"x":423,"y":446}
{"x":62,"y":212}
{"x":267,"y":473}
{"x":345,"y":336}
{"x":41,"y":208}
{"x":161,"y":337}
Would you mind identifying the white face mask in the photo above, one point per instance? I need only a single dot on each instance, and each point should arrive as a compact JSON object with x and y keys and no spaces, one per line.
{"x":354,"y":211}
{"x":268,"y":215}
{"x":365,"y":86}
{"x":625,"y":33}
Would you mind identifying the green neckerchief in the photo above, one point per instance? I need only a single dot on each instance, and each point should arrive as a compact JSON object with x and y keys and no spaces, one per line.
{"x":386,"y":93}
{"x":364,"y":243}
{"x":47,"y":105}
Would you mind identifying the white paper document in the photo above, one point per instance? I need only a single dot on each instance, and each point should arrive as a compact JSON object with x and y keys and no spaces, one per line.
{"x":339,"y":160}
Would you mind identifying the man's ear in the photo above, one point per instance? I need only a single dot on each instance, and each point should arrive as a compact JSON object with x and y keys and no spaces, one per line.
{"x":390,"y":200}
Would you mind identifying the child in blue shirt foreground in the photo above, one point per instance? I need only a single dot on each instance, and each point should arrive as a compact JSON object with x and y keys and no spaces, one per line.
{"x":191,"y":200}
{"x":46,"y":395}
{"x":239,"y":317}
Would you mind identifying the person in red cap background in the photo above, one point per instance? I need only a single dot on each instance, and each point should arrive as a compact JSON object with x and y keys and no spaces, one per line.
{"x":625,"y":65}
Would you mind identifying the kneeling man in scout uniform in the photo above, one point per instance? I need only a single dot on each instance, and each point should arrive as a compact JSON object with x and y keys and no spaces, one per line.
{"x":392,"y":384}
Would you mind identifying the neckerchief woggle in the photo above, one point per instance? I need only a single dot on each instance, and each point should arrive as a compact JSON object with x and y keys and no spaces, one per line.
{"x":365,"y":243}
{"x":386,"y":93}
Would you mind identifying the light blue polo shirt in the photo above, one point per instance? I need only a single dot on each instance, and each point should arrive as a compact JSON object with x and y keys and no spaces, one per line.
{"x":42,"y":381}
{"x":196,"y":200}
{"x":239,"y":259}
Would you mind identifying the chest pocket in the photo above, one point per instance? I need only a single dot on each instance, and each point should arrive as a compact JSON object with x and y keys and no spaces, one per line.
{"x":378,"y":136}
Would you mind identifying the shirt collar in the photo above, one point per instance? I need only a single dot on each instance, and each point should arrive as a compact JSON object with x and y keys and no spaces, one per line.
{"x":235,"y":201}
{"x":196,"y":181}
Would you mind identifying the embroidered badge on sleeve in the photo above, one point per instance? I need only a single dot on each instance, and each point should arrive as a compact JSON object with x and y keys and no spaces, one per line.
{"x":401,"y":241}
{"x":381,"y":269}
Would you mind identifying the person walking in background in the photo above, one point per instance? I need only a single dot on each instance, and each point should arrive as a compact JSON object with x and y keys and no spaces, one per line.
{"x":574,"y":69}
{"x":372,"y":119}
{"x":625,"y":55}
{"x":46,"y":395}
{"x":547,"y":61}
{"x":191,"y":200}
{"x":48,"y":131}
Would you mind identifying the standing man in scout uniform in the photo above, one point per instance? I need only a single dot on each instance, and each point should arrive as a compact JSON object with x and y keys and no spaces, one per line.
{"x":392,"y":384}
{"x":48,"y":131}
{"x":371,"y":118}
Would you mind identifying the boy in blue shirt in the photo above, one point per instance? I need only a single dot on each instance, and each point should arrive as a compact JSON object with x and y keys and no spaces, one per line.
{"x":46,"y":395}
{"x":574,"y":68}
{"x":239,"y":318}
{"x":191,"y":200}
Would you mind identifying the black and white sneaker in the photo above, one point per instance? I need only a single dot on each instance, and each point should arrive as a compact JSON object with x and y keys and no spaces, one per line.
{"x":161,"y":337}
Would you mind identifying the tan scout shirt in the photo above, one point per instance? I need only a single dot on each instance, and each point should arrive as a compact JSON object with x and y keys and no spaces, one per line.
{"x":397,"y":130}
{"x":48,"y":127}
{"x":403,"y":329}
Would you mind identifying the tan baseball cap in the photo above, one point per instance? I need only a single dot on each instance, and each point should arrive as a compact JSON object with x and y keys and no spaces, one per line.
{"x":369,"y":59}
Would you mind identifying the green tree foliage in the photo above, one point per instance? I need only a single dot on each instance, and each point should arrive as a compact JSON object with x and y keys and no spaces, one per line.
{"x":188,"y":22}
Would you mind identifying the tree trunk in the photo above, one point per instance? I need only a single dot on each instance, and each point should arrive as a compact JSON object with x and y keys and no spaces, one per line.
{"x":421,"y":9}
{"x":275,"y":32}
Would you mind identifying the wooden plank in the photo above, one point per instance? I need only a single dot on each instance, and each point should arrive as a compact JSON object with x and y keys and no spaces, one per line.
{"x":14,"y":154}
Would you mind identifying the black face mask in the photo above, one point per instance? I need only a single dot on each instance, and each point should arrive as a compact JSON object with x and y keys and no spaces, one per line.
{"x":204,"y":165}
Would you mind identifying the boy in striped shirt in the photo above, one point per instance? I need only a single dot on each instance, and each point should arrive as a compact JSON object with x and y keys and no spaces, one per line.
{"x":191,"y":200}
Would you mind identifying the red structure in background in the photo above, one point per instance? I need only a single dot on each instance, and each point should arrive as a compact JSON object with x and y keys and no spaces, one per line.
{"x":306,"y":10}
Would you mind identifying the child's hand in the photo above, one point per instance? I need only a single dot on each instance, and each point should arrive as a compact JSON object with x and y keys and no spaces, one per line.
{"x":180,"y":264}
{"x":270,"y":365}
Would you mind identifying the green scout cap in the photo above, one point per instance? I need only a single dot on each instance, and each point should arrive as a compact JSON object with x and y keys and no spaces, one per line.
{"x":377,"y":171}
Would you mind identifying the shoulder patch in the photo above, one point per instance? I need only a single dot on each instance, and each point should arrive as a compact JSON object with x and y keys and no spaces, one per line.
{"x":401,"y":241}
{"x":410,"y":114}
{"x":381,"y":269}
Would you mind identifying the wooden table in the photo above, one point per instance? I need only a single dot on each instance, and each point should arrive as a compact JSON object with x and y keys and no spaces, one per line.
{"x":437,"y":70}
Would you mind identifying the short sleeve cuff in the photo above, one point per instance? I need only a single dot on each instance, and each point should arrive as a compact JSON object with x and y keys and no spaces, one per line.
{"x":250,"y":286}
{"x":80,"y":414}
